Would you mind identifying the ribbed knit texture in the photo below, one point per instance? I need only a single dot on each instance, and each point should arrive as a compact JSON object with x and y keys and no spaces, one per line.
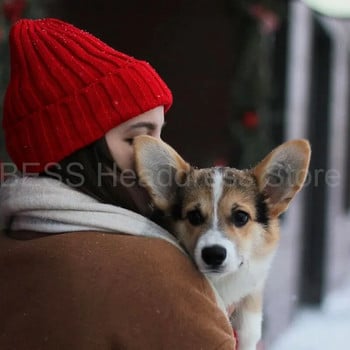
{"x":67,"y":89}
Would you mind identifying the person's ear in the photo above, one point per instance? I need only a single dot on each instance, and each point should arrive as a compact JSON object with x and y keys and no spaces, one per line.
{"x":282,"y":173}
{"x":160,"y":169}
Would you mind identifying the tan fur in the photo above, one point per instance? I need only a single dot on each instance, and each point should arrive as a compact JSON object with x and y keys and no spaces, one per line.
{"x":252,"y":303}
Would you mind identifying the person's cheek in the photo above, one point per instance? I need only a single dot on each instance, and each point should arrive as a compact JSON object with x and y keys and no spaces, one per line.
{"x":126,"y":157}
{"x":131,"y":159}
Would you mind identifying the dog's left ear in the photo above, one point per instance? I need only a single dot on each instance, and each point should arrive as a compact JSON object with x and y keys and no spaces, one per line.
{"x":282,"y":174}
{"x":160,"y":169}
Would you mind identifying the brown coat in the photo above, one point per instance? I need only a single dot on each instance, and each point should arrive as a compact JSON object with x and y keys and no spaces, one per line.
{"x":90,"y":290}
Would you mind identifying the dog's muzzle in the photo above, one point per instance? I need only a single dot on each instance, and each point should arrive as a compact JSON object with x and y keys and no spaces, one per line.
{"x":214,"y":253}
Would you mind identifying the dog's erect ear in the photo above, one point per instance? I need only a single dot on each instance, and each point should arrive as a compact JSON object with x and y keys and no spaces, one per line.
{"x":282,"y":174}
{"x":160,"y":169}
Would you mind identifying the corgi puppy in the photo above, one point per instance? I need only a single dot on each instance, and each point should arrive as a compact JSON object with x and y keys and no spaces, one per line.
{"x":226,"y":219}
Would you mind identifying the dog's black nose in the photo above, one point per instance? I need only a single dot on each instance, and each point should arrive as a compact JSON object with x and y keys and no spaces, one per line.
{"x":214,"y":255}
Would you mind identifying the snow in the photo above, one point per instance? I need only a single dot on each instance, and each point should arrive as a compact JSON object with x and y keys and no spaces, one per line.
{"x":324,"y":328}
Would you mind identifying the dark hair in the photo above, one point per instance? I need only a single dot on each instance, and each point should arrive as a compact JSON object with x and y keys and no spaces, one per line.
{"x":82,"y":170}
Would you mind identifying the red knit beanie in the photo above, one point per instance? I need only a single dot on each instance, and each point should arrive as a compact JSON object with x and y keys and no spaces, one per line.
{"x":67,"y":89}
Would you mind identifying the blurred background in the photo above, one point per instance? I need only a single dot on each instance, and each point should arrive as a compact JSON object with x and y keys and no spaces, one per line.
{"x":247,"y":75}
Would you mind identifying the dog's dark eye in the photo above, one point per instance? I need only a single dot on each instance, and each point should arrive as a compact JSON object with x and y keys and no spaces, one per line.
{"x":195,"y":217}
{"x":239,"y":218}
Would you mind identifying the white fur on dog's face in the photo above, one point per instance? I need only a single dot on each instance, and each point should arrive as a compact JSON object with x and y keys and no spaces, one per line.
{"x":215,"y":237}
{"x":232,"y":261}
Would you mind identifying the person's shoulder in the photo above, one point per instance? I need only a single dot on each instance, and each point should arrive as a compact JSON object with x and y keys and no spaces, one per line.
{"x":129,"y":286}
{"x":98,"y":250}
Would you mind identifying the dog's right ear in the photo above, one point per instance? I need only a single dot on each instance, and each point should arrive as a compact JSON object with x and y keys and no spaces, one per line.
{"x":160,"y":169}
{"x":282,"y":173}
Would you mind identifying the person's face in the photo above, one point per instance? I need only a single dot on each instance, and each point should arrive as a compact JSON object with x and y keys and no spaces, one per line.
{"x":120,"y":138}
